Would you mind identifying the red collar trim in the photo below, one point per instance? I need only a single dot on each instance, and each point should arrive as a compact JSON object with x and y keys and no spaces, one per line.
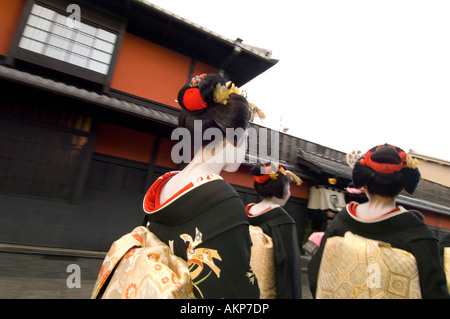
{"x":351,"y":208}
{"x":247,"y":209}
{"x":152,"y":198}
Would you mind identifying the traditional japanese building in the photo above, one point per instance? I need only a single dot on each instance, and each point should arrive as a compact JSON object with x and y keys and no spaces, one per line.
{"x":87,"y":110}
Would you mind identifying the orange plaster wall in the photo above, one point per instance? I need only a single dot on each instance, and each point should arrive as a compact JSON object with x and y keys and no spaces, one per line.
{"x":436,"y":220}
{"x":241,"y":177}
{"x":124,"y":143}
{"x":163,"y":157}
{"x":430,"y":218}
{"x":444,"y":222}
{"x":10,"y":12}
{"x":150,"y":71}
{"x":301,"y":191}
{"x":200,"y":68}
{"x":133,"y":145}
{"x":433,"y":219}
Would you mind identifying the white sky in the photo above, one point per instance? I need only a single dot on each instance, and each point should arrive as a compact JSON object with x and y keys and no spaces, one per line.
{"x":352,"y":74}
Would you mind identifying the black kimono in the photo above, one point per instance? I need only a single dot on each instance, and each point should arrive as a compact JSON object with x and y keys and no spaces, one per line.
{"x":205,"y":223}
{"x":405,"y":231}
{"x":277,"y":224}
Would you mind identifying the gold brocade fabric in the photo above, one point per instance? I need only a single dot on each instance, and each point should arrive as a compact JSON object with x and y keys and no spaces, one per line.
{"x":262,"y":262}
{"x":447,"y":265}
{"x":354,"y":267}
{"x":140,"y":266}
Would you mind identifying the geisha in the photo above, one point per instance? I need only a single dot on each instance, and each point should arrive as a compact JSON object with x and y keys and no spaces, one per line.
{"x":379,"y":249}
{"x":197,"y":213}
{"x":275,"y":251}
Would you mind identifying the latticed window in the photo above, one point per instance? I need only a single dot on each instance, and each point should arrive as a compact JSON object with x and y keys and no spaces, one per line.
{"x":48,"y":33}
{"x":41,"y":150}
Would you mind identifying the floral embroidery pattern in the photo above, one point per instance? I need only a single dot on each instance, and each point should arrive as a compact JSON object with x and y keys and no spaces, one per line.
{"x":198,"y":257}
{"x":251,"y":276}
{"x":140,"y":266}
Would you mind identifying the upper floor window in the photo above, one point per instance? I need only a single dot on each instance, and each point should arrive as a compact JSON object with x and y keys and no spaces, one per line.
{"x":82,"y":43}
{"x":47,"y":32}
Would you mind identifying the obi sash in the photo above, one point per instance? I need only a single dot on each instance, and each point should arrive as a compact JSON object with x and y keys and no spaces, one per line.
{"x":354,"y":267}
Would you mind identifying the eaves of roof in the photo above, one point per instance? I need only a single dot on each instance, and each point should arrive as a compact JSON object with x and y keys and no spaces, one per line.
{"x":323,"y":164}
{"x":427,"y":205}
{"x":241,"y":62}
{"x":87,"y":96}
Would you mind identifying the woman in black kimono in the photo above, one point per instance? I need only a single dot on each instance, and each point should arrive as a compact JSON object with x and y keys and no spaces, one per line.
{"x":198,"y":214}
{"x":272,"y":183}
{"x":384,"y":171}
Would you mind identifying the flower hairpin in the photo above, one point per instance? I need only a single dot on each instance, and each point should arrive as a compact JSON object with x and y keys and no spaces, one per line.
{"x":412,"y":162}
{"x":223,"y":92}
{"x":197,"y":79}
{"x":352,"y":158}
{"x":272,"y":173}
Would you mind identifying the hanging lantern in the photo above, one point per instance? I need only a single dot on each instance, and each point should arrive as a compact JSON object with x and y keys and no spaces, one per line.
{"x":332,"y":181}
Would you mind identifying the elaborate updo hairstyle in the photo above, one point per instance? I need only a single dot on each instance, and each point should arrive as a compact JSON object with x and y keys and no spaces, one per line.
{"x":272,"y":180}
{"x":386,"y":170}
{"x":208,"y":99}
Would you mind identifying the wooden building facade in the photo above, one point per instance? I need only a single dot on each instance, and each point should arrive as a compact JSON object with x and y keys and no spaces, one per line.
{"x":86,"y":115}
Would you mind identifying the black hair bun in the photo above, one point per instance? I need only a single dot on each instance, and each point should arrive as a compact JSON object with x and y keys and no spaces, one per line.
{"x":208,"y":85}
{"x":268,"y":187}
{"x":386,"y":154}
{"x":260,"y":169}
{"x":384,"y":170}
{"x":197,"y":103}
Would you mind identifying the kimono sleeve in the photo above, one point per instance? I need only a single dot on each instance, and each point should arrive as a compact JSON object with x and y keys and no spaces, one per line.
{"x":232,"y":273}
{"x":432,"y":276}
{"x":287,"y":262}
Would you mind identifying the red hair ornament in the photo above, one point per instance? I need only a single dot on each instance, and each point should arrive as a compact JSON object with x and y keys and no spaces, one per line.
{"x":383,"y":168}
{"x":272,"y":173}
{"x":265,"y":177}
{"x":192,"y":100}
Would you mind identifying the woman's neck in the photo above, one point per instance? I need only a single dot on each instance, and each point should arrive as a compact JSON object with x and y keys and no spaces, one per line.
{"x":195,"y":169}
{"x":265,"y":205}
{"x":376,"y":207}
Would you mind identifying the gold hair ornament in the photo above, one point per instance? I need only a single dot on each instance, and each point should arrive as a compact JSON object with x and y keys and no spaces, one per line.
{"x":412,"y":162}
{"x":222,"y":94}
{"x":292,"y":177}
{"x":255,"y":111}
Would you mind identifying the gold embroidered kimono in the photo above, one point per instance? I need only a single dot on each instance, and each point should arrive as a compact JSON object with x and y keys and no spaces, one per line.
{"x":354,"y":267}
{"x":276,"y":254}
{"x":197,"y":244}
{"x":447,"y":265}
{"x":206,"y":225}
{"x":140,"y":266}
{"x":354,"y":258}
